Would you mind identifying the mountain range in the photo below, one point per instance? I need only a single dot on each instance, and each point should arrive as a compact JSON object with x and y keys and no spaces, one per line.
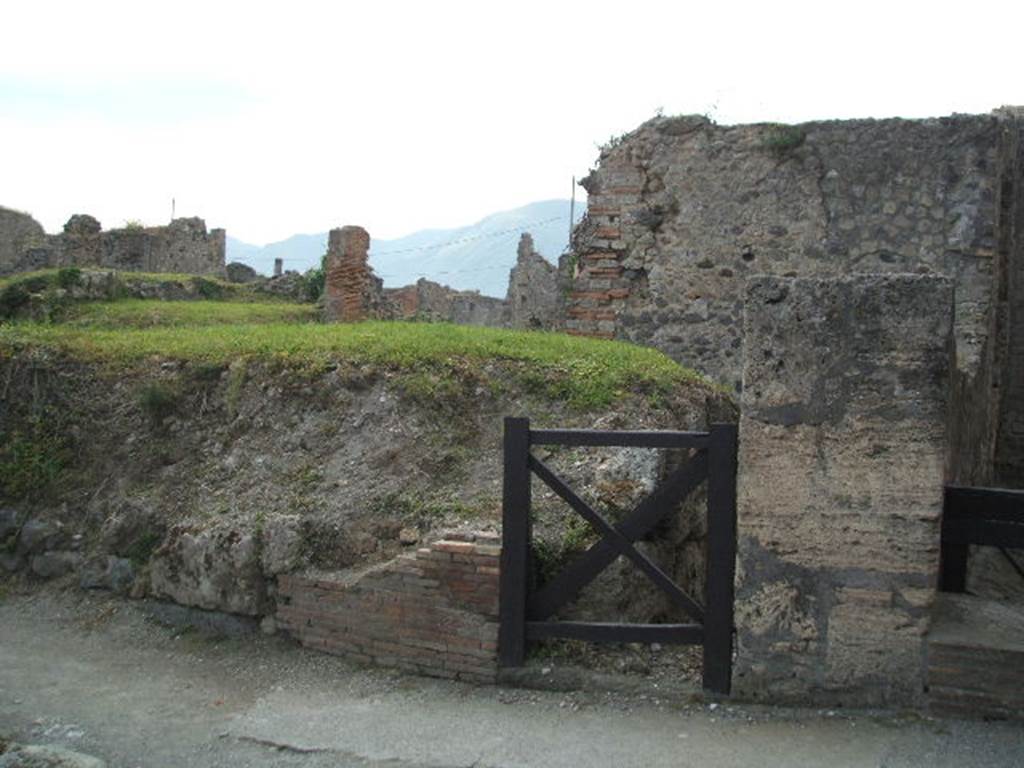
{"x":474,"y":257}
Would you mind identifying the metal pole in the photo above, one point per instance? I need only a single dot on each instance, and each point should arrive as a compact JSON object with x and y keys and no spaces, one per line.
{"x":572,"y":210}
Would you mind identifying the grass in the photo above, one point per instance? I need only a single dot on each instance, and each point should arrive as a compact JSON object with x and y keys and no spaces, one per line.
{"x":143,"y":313}
{"x":584,"y":372}
{"x":207,"y":286}
{"x":51,"y":276}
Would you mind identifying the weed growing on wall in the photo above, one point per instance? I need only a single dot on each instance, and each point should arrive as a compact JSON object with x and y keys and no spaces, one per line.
{"x":781,"y":139}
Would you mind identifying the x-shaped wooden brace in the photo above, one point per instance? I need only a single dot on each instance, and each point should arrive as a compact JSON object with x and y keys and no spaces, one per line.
{"x":617,"y":540}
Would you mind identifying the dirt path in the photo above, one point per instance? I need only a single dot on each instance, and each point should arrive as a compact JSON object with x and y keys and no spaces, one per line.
{"x":94,"y":674}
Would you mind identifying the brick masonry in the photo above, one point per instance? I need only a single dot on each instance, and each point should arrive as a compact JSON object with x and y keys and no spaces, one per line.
{"x":350,"y":288}
{"x":432,"y":612}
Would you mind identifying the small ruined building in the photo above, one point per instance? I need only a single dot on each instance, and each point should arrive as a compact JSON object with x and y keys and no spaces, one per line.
{"x":183,"y":246}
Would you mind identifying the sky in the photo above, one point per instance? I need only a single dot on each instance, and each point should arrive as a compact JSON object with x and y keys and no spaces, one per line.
{"x":270,"y":119}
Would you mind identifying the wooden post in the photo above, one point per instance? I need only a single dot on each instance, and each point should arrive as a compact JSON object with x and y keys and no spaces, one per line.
{"x":953,"y":548}
{"x":721,"y":559}
{"x":515,"y":543}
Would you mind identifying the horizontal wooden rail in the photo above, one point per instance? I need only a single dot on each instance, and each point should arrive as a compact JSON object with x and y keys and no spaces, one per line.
{"x":622,"y":439}
{"x":600,"y":632}
{"x":988,"y":533}
{"x":980,"y":516}
{"x":984,"y":504}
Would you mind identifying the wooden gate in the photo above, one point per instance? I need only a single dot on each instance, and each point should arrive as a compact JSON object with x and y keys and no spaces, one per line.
{"x":525,"y":613}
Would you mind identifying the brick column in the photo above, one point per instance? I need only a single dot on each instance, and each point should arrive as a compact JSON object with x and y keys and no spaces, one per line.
{"x":348,"y":282}
{"x":841,"y":470}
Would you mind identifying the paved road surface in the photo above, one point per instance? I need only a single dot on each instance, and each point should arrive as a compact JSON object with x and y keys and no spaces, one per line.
{"x":96,"y":675}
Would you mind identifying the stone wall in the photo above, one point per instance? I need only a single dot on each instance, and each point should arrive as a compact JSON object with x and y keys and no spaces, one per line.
{"x":1008,"y":328}
{"x":534,"y":299}
{"x":427,"y":300}
{"x":434,"y":612}
{"x":682,"y":212}
{"x":843,"y":438}
{"x":19,"y":232}
{"x":183,"y":246}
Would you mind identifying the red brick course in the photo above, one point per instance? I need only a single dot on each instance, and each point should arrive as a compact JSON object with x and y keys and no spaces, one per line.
{"x":433,"y":612}
{"x":602,"y":285}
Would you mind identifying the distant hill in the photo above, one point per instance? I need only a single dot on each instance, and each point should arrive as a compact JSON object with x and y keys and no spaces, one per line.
{"x":475,"y":257}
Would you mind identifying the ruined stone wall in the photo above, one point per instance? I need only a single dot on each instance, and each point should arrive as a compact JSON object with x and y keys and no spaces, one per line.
{"x":843,"y":439}
{"x":183,"y":246}
{"x":427,"y":300}
{"x":434,"y":612}
{"x":1008,"y":328}
{"x":534,"y":299}
{"x":19,"y":232}
{"x":472,"y":308}
{"x":682,"y":211}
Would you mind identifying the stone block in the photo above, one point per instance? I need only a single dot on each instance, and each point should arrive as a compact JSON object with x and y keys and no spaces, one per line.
{"x":50,"y":565}
{"x":846,"y":388}
{"x":216,"y":569}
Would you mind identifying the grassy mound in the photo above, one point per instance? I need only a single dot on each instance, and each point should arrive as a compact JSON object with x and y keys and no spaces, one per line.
{"x":51,"y":292}
{"x":585,"y":372}
{"x":144,"y":313}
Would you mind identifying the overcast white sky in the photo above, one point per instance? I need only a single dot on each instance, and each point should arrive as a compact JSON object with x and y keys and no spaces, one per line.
{"x":275,"y":118}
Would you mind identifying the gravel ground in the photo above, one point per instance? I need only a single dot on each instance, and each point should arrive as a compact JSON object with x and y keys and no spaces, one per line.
{"x":95,"y":674}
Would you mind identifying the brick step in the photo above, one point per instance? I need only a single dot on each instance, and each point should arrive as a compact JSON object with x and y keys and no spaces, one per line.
{"x":976,"y":658}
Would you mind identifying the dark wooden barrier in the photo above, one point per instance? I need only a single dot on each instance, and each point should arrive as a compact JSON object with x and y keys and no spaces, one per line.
{"x":982,"y":516}
{"x":525,"y":614}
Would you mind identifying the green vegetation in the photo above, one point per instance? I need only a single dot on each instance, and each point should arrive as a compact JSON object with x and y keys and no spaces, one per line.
{"x":134,"y":225}
{"x":69,"y":277}
{"x":781,"y":139}
{"x":142,"y":547}
{"x":12,"y":298}
{"x":236,"y":380}
{"x":159,"y":400}
{"x":31,"y":458}
{"x":143,"y":313}
{"x":586,"y":373}
{"x":551,"y":555}
{"x":315,"y":280}
{"x":424,"y":511}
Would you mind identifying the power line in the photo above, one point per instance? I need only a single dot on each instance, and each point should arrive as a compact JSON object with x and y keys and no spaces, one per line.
{"x":471,"y":238}
{"x":491,"y":268}
{"x":435,"y":246}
